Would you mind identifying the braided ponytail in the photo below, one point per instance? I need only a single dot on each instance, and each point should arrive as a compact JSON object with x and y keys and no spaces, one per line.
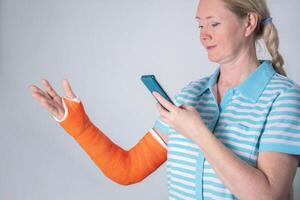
{"x":270,"y":36}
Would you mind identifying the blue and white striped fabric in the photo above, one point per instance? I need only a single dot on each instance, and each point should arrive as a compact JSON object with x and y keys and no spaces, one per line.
{"x":260,"y":114}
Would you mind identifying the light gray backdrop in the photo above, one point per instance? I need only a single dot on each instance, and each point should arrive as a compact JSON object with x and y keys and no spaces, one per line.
{"x":102,"y":47}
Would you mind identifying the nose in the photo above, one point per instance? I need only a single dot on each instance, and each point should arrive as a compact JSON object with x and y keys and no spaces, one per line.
{"x":205,"y":35}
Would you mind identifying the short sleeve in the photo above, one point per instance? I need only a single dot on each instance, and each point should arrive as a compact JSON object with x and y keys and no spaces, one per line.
{"x":162,"y":127}
{"x":282,"y":128}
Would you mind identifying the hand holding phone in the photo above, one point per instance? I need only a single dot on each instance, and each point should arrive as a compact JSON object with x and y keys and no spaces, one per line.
{"x":152,"y":84}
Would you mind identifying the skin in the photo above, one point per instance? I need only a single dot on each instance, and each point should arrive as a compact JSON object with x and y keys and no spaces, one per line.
{"x":273,"y":176}
{"x":49,"y":98}
{"x":237,"y":59}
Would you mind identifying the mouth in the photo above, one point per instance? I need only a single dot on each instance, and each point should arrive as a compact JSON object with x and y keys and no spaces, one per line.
{"x":210,"y":47}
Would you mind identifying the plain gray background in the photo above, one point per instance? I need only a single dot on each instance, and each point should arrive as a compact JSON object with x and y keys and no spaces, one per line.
{"x":102,"y":47}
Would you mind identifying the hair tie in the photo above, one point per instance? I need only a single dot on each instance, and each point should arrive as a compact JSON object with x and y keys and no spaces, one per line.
{"x":266,"y":20}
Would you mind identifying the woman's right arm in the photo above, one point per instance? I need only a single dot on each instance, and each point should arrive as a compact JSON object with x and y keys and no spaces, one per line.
{"x":121,"y":166}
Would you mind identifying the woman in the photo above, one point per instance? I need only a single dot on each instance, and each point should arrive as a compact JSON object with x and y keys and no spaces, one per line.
{"x":232,"y":135}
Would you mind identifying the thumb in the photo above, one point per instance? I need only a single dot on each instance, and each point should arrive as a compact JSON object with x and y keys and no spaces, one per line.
{"x":67,"y":88}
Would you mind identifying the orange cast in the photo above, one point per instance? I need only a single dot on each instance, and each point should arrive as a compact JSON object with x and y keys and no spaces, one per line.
{"x":122,"y":166}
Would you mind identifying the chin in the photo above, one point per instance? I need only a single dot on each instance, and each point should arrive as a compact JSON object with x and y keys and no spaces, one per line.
{"x":214,"y":59}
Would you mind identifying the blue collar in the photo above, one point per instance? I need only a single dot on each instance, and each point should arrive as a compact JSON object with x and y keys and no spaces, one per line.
{"x":253,"y":86}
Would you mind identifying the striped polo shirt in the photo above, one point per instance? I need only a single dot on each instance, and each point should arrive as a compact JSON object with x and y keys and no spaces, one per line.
{"x":260,"y":114}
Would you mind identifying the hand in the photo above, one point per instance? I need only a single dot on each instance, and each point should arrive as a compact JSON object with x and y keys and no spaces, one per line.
{"x":184,"y":119}
{"x":50,"y":99}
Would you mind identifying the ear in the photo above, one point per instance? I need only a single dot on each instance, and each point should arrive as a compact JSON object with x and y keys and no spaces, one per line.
{"x":251,"y":23}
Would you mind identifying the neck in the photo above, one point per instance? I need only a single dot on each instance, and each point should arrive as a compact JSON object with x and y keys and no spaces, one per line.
{"x":236,"y":70}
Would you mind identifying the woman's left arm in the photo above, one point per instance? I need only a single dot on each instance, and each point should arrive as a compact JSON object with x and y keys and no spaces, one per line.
{"x":271,"y":179}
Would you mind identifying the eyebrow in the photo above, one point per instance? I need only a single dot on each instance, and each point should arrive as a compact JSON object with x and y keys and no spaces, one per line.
{"x":208,"y":17}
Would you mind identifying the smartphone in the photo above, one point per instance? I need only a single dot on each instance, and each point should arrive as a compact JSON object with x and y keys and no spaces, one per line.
{"x":152,"y":84}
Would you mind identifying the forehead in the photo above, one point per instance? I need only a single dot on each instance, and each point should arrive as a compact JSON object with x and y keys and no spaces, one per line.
{"x":212,"y":9}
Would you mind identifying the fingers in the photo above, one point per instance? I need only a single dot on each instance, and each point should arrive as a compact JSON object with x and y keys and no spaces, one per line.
{"x":49,"y":89}
{"x":165,"y":103}
{"x":162,"y":111}
{"x":48,"y":99}
{"x":187,"y":107}
{"x":36,"y":90}
{"x":40,"y":96}
{"x":45,"y":102}
{"x":67,"y":88}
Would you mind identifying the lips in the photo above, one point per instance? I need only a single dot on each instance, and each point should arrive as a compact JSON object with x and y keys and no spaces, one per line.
{"x":210,"y":47}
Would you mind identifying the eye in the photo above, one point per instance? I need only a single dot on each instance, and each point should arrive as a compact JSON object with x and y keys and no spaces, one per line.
{"x":200,"y":27}
{"x":215,"y":24}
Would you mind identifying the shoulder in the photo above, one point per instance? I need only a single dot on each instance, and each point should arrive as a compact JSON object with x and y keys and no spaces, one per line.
{"x":283,"y":85}
{"x":196,"y":85}
{"x":288,"y":91}
{"x":189,"y":94}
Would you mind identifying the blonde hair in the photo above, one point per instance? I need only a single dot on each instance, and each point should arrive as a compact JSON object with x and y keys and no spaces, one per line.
{"x":266,"y":31}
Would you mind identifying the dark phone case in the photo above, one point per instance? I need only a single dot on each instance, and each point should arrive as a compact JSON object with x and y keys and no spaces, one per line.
{"x":152,"y":84}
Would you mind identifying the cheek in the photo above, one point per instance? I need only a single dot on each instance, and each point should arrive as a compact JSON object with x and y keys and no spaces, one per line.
{"x":234,"y":35}
{"x":226,"y":47}
{"x":234,"y":44}
{"x":230,"y":41}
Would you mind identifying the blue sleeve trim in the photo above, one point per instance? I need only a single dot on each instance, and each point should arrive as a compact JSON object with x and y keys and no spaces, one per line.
{"x":282,"y":148}
{"x":161,"y":127}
